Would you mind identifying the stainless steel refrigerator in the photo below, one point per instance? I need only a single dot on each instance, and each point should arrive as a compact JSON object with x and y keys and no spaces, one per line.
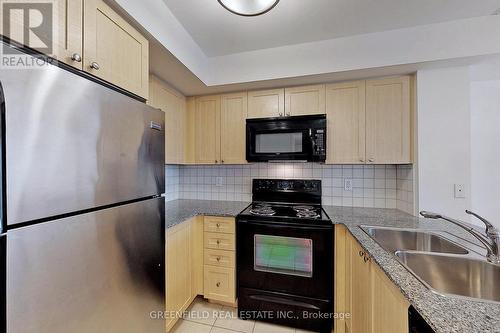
{"x":82,"y":211}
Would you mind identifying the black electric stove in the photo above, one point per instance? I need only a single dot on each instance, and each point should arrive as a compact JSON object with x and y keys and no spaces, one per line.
{"x":285,"y":255}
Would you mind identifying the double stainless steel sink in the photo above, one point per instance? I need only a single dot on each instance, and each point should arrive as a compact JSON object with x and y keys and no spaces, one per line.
{"x":440,"y":263}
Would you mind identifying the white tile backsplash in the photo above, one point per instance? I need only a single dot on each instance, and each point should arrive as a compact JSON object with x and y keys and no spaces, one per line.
{"x":381,"y":186}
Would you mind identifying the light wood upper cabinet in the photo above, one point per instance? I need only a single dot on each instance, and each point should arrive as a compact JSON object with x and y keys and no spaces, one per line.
{"x":266,"y":103}
{"x":388,"y":129}
{"x":305,"y":100}
{"x":69,"y":48}
{"x":114,"y":50}
{"x":233,"y":137}
{"x":173,"y":103}
{"x":207,"y":124}
{"x":345,"y":110}
{"x":190,"y":131}
{"x":64,"y":37}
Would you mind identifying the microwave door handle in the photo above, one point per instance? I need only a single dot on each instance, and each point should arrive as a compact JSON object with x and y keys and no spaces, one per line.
{"x":313,"y":141}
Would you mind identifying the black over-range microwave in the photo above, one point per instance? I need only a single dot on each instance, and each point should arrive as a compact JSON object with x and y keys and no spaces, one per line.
{"x":297,"y":138}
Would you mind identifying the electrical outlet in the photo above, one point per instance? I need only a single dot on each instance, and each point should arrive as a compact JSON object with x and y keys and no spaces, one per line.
{"x":348,"y":184}
{"x":218,"y":181}
{"x":459,"y":191}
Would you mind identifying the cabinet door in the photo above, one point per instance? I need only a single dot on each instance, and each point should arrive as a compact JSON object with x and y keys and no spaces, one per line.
{"x":190,"y":132}
{"x":345,"y":112}
{"x":172,"y":103}
{"x":388,"y":128}
{"x":70,"y":32}
{"x":233,"y":135}
{"x":114,"y":50}
{"x":207,"y":123}
{"x":178,"y":269}
{"x":361,"y":291}
{"x":305,"y":100}
{"x":390,"y":308}
{"x":64,"y":37}
{"x":266,"y":103}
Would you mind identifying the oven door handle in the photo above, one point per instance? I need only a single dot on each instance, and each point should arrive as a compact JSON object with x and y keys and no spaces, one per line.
{"x":279,"y":300}
{"x":276,"y":225}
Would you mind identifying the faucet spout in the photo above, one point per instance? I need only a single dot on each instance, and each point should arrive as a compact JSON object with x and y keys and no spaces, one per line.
{"x":490,"y":241}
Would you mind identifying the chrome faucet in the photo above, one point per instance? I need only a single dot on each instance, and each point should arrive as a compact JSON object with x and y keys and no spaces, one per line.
{"x":491,"y":241}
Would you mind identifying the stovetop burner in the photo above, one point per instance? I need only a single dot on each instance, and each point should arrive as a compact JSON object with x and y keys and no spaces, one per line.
{"x":262,"y":210}
{"x":288,"y":211}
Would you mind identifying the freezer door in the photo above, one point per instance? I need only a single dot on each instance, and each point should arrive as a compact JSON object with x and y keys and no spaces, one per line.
{"x":100,"y":272}
{"x":72,"y":144}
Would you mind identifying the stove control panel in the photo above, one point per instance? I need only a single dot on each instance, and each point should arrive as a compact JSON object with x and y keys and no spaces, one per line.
{"x":282,"y":185}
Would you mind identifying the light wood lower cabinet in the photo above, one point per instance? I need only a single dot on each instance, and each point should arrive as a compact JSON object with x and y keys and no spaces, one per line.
{"x":364,"y":291}
{"x":219,"y":270}
{"x":197,"y":267}
{"x":179,"y":291}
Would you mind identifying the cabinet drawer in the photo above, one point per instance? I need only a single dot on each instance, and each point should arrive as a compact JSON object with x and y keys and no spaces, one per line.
{"x":219,"y":283}
{"x":219,"y":224}
{"x":220,"y":258}
{"x":219,"y":241}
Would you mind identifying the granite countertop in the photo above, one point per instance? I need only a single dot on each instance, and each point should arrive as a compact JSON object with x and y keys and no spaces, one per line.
{"x":444,"y":314}
{"x":178,"y":211}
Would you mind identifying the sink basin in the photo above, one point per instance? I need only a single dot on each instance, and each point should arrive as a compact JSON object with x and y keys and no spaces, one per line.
{"x":456,"y":275}
{"x":393,"y":239}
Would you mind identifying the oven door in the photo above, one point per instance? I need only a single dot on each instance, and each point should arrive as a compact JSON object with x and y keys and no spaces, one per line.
{"x":286,"y":258}
{"x":292,"y":138}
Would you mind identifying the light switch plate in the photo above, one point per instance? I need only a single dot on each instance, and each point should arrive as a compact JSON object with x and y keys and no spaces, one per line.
{"x":459,"y":191}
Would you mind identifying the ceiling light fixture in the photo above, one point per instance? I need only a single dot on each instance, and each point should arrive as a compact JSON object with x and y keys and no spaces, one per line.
{"x":248,"y":7}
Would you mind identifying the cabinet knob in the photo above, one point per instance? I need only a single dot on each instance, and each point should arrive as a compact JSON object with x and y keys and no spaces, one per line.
{"x":218,"y":258}
{"x":76,"y":57}
{"x":218,"y":225}
{"x":361,"y":159}
{"x":371,"y":160}
{"x":216,"y":161}
{"x":281,"y":114}
{"x":218,"y":242}
{"x":366,"y":258}
{"x":94,"y":65}
{"x":222,"y":161}
{"x":217,"y":284}
{"x":361,"y":253}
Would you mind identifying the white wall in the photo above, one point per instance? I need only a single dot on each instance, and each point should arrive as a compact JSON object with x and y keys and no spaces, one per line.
{"x":485,"y":142}
{"x":444,"y":136}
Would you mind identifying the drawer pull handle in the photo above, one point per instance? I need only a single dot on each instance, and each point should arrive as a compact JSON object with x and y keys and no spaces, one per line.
{"x":361,"y":253}
{"x":218,"y":225}
{"x":218,"y":258}
{"x":366,"y":258}
{"x":218,"y":284}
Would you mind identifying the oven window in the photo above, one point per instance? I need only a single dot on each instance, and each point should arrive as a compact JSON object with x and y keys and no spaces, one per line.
{"x":278,"y":143}
{"x":283,"y":255}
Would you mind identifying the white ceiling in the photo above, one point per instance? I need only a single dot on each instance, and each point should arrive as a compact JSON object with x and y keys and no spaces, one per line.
{"x":218,"y":32}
